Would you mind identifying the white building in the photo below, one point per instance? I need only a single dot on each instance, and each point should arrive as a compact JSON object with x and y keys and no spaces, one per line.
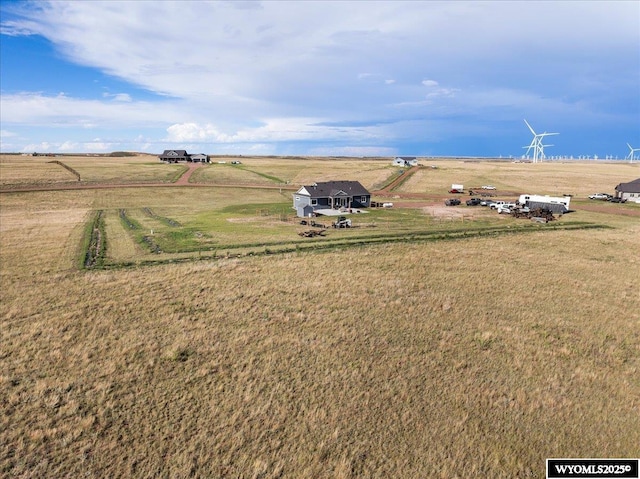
{"x":405,"y":161}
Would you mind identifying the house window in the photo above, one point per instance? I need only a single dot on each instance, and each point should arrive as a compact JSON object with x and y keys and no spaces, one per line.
{"x":363,"y":199}
{"x":297,"y":198}
{"x":314,"y":202}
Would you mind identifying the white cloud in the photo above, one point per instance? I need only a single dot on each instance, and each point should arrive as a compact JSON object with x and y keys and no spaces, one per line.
{"x":123,"y":97}
{"x":353,"y":151}
{"x":97,"y":146}
{"x":184,"y":132}
{"x":42,"y":147}
{"x":7,"y":134}
{"x":271,"y":130}
{"x":36,"y":108}
{"x":254,"y":54}
{"x":279,"y":71}
{"x":68,"y":146}
{"x":443,"y":92}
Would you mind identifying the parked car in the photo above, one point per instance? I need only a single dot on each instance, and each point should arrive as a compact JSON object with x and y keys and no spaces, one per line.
{"x":504,"y":209}
{"x":599,"y":196}
{"x":473,"y":201}
{"x":455,"y":190}
{"x":488,"y":187}
{"x":486,"y":202}
{"x":616,"y":199}
{"x":451,"y":202}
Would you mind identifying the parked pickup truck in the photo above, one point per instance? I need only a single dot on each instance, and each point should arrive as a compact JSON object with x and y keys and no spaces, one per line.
{"x":495,"y":204}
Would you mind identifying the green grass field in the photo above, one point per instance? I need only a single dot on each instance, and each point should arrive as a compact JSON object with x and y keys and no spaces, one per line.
{"x":426,"y":342}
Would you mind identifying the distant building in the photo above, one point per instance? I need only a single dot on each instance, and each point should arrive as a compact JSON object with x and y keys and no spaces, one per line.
{"x":174,"y":156}
{"x":629,"y":191}
{"x":201,"y":157}
{"x":405,"y":161}
{"x":330,"y":195}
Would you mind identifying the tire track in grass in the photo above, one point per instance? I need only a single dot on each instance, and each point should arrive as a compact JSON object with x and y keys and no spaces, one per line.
{"x":163,"y":219}
{"x":96,"y":244}
{"x":133,"y":225}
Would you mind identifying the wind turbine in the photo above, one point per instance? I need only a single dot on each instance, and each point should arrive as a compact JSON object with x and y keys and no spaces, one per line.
{"x":631,"y":152}
{"x":536,"y":144}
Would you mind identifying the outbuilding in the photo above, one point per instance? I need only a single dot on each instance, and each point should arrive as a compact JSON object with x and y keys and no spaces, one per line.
{"x":629,"y":191}
{"x":199,"y":157}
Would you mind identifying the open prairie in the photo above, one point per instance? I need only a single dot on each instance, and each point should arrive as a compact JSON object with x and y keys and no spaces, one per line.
{"x":206,"y":338}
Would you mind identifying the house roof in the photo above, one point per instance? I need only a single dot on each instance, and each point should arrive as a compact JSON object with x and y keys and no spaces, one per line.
{"x":406,"y":158}
{"x":174,"y":153}
{"x":631,"y":187}
{"x":334,"y":188}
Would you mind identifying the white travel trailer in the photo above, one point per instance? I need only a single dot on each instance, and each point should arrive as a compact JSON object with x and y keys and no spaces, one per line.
{"x":556,"y":204}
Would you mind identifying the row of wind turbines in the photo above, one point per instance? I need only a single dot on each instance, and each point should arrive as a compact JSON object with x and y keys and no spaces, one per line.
{"x":538,"y":147}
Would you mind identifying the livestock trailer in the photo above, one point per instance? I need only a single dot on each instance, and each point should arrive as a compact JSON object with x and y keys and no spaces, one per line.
{"x":555,"y":204}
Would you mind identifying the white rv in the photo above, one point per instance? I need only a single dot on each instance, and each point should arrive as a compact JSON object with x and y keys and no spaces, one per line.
{"x":556,"y":204}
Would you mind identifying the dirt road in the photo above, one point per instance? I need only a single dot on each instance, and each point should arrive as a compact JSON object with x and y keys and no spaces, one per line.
{"x":184,"y":179}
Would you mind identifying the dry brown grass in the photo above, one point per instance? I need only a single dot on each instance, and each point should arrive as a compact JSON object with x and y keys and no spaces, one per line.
{"x":20,"y":171}
{"x":371,"y":173}
{"x":552,"y":178}
{"x":473,"y":358}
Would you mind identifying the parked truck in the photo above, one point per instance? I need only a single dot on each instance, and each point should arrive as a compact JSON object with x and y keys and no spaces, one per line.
{"x":455,"y":188}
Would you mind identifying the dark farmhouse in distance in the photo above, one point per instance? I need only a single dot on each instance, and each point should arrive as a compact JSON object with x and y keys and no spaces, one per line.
{"x":174,"y":156}
{"x":330,"y":195}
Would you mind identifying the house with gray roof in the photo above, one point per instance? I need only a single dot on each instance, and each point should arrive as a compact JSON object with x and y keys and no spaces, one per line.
{"x":629,"y":191}
{"x":174,"y":156}
{"x":329,"y":196}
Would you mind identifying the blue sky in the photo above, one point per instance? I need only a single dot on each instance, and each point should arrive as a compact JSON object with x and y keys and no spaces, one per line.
{"x":362,"y":78}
